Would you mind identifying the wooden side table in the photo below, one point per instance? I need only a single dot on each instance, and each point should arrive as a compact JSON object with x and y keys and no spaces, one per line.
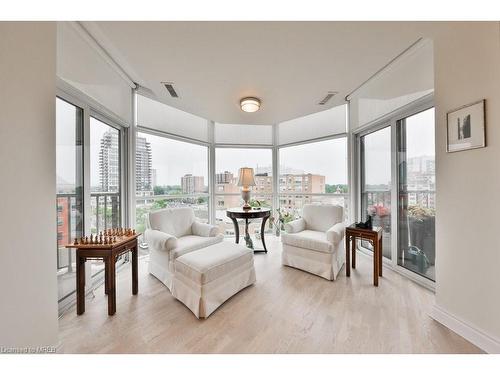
{"x":240,"y":213}
{"x":372,"y":235}
{"x":109,"y":254}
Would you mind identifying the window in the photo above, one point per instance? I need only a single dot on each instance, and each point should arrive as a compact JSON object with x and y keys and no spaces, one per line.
{"x":417,"y":193}
{"x":69,"y":174}
{"x":170,"y":173}
{"x":228,"y":161}
{"x":376,"y":183}
{"x":313,"y":173}
{"x":105,"y":176}
{"x":398,"y":166}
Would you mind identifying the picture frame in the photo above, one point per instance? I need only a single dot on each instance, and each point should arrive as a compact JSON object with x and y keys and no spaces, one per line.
{"x":466,"y":127}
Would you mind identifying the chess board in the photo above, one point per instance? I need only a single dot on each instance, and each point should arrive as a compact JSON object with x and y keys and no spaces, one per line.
{"x":106,"y":239}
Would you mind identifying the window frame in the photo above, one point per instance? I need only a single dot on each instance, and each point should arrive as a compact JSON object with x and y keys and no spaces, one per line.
{"x":91,"y":108}
{"x":148,"y":131}
{"x":347,"y":196}
{"x":391,"y":119}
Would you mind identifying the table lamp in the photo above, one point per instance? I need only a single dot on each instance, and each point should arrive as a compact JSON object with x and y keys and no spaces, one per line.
{"x":246,"y":180}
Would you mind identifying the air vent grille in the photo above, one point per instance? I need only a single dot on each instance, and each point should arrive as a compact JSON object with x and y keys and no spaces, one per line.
{"x":328,"y":96}
{"x":170,"y":88}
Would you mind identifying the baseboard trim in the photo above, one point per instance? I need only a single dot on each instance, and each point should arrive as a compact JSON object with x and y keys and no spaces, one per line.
{"x":467,"y":331}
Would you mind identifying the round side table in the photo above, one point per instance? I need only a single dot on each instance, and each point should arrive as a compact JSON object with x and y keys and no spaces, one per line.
{"x":240,"y":213}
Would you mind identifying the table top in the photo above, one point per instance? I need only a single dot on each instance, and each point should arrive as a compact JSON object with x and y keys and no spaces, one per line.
{"x":353,"y":228}
{"x":120,"y":240}
{"x":241,"y":210}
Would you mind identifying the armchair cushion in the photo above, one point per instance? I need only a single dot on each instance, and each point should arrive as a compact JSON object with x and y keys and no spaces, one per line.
{"x":308,"y":239}
{"x":321,"y":217}
{"x":295,"y":226}
{"x":204,"y":230}
{"x":187,"y":244}
{"x":159,"y":240}
{"x":335,"y":233}
{"x":175,"y":221}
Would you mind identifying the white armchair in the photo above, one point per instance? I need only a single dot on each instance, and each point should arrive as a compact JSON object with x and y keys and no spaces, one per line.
{"x":173,"y":232}
{"x":315,"y":242}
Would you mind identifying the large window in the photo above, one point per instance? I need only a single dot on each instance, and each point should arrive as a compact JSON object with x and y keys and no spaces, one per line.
{"x":170,"y":173}
{"x":416,"y":193}
{"x":397,"y":160}
{"x":228,"y":161}
{"x":69,"y":172}
{"x":105,"y":176}
{"x":313,"y":173}
{"x":376,"y":183}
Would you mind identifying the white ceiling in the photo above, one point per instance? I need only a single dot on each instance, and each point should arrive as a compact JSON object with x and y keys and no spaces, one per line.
{"x":289,"y":65}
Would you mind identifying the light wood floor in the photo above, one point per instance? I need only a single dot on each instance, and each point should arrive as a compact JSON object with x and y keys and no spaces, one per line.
{"x":286,"y":311}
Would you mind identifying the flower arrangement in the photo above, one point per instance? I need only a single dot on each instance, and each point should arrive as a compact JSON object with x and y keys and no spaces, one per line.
{"x":378,"y":210}
{"x":282,"y":217}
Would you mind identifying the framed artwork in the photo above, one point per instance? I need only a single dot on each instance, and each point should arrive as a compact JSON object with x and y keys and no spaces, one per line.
{"x":466,"y":127}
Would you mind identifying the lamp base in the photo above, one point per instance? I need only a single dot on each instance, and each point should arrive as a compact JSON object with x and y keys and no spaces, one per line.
{"x":245,"y":195}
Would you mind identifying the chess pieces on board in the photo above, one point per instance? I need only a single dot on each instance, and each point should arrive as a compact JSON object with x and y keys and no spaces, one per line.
{"x":106,"y":237}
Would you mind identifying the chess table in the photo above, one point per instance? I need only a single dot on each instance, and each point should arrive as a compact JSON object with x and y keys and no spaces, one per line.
{"x":109,"y":254}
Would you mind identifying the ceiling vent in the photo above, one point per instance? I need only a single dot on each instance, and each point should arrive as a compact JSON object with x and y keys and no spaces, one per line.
{"x":328,"y":96}
{"x":170,"y":88}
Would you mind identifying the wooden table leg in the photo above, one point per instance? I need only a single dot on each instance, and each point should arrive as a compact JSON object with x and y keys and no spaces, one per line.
{"x":135,"y":278}
{"x":112,"y":286}
{"x":236,"y":230}
{"x":80,"y":284}
{"x":353,"y":251}
{"x":262,"y":229}
{"x":106,"y":275}
{"x":347,"y":256}
{"x":381,"y":255}
{"x":375,"y":261}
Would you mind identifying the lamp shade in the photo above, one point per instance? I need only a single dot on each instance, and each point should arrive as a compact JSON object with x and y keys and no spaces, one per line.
{"x":246,"y":177}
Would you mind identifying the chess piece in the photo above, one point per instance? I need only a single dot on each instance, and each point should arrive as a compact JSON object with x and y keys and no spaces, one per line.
{"x":86,"y":240}
{"x":114,"y":239}
{"x":105,"y":240}
{"x":100,"y":239}
{"x":133,"y":232}
{"x":91,"y":238}
{"x":82,"y":240}
{"x":76,"y":241}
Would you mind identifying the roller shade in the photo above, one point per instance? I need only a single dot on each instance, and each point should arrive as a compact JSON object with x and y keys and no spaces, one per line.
{"x":80,"y":66}
{"x":244,"y":134}
{"x":158,"y":116}
{"x":407,"y":79}
{"x":321,"y":124}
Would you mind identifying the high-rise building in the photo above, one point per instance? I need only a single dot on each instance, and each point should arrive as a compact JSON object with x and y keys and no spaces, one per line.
{"x":143,"y":171}
{"x":192,"y":184}
{"x":224,"y":178}
{"x":109,"y":162}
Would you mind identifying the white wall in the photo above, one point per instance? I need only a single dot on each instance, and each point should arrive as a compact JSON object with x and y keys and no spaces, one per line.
{"x":28,"y":289}
{"x":467,"y":68}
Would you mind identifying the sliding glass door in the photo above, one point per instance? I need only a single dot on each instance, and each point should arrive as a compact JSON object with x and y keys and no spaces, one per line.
{"x":397,"y":164}
{"x":417,"y":193}
{"x":375,"y":158}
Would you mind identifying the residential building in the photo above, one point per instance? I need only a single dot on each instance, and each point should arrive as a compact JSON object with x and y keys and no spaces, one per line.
{"x":192,"y":184}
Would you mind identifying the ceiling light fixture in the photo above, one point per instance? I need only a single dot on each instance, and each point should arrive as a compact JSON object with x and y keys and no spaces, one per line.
{"x":250,"y":104}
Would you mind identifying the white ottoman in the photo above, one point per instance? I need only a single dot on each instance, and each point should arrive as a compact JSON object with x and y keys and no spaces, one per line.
{"x":204,"y":279}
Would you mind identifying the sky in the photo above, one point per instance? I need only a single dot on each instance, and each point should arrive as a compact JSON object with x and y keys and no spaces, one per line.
{"x":420,"y":136}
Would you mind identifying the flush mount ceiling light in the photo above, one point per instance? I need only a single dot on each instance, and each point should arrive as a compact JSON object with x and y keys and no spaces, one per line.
{"x":250,"y":104}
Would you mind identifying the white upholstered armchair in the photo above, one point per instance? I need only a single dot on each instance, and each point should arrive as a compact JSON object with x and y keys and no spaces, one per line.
{"x":315,"y":242}
{"x":173,"y":232}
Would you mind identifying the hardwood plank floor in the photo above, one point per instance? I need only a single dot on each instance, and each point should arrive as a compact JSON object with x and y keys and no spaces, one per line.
{"x":286,"y":311}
